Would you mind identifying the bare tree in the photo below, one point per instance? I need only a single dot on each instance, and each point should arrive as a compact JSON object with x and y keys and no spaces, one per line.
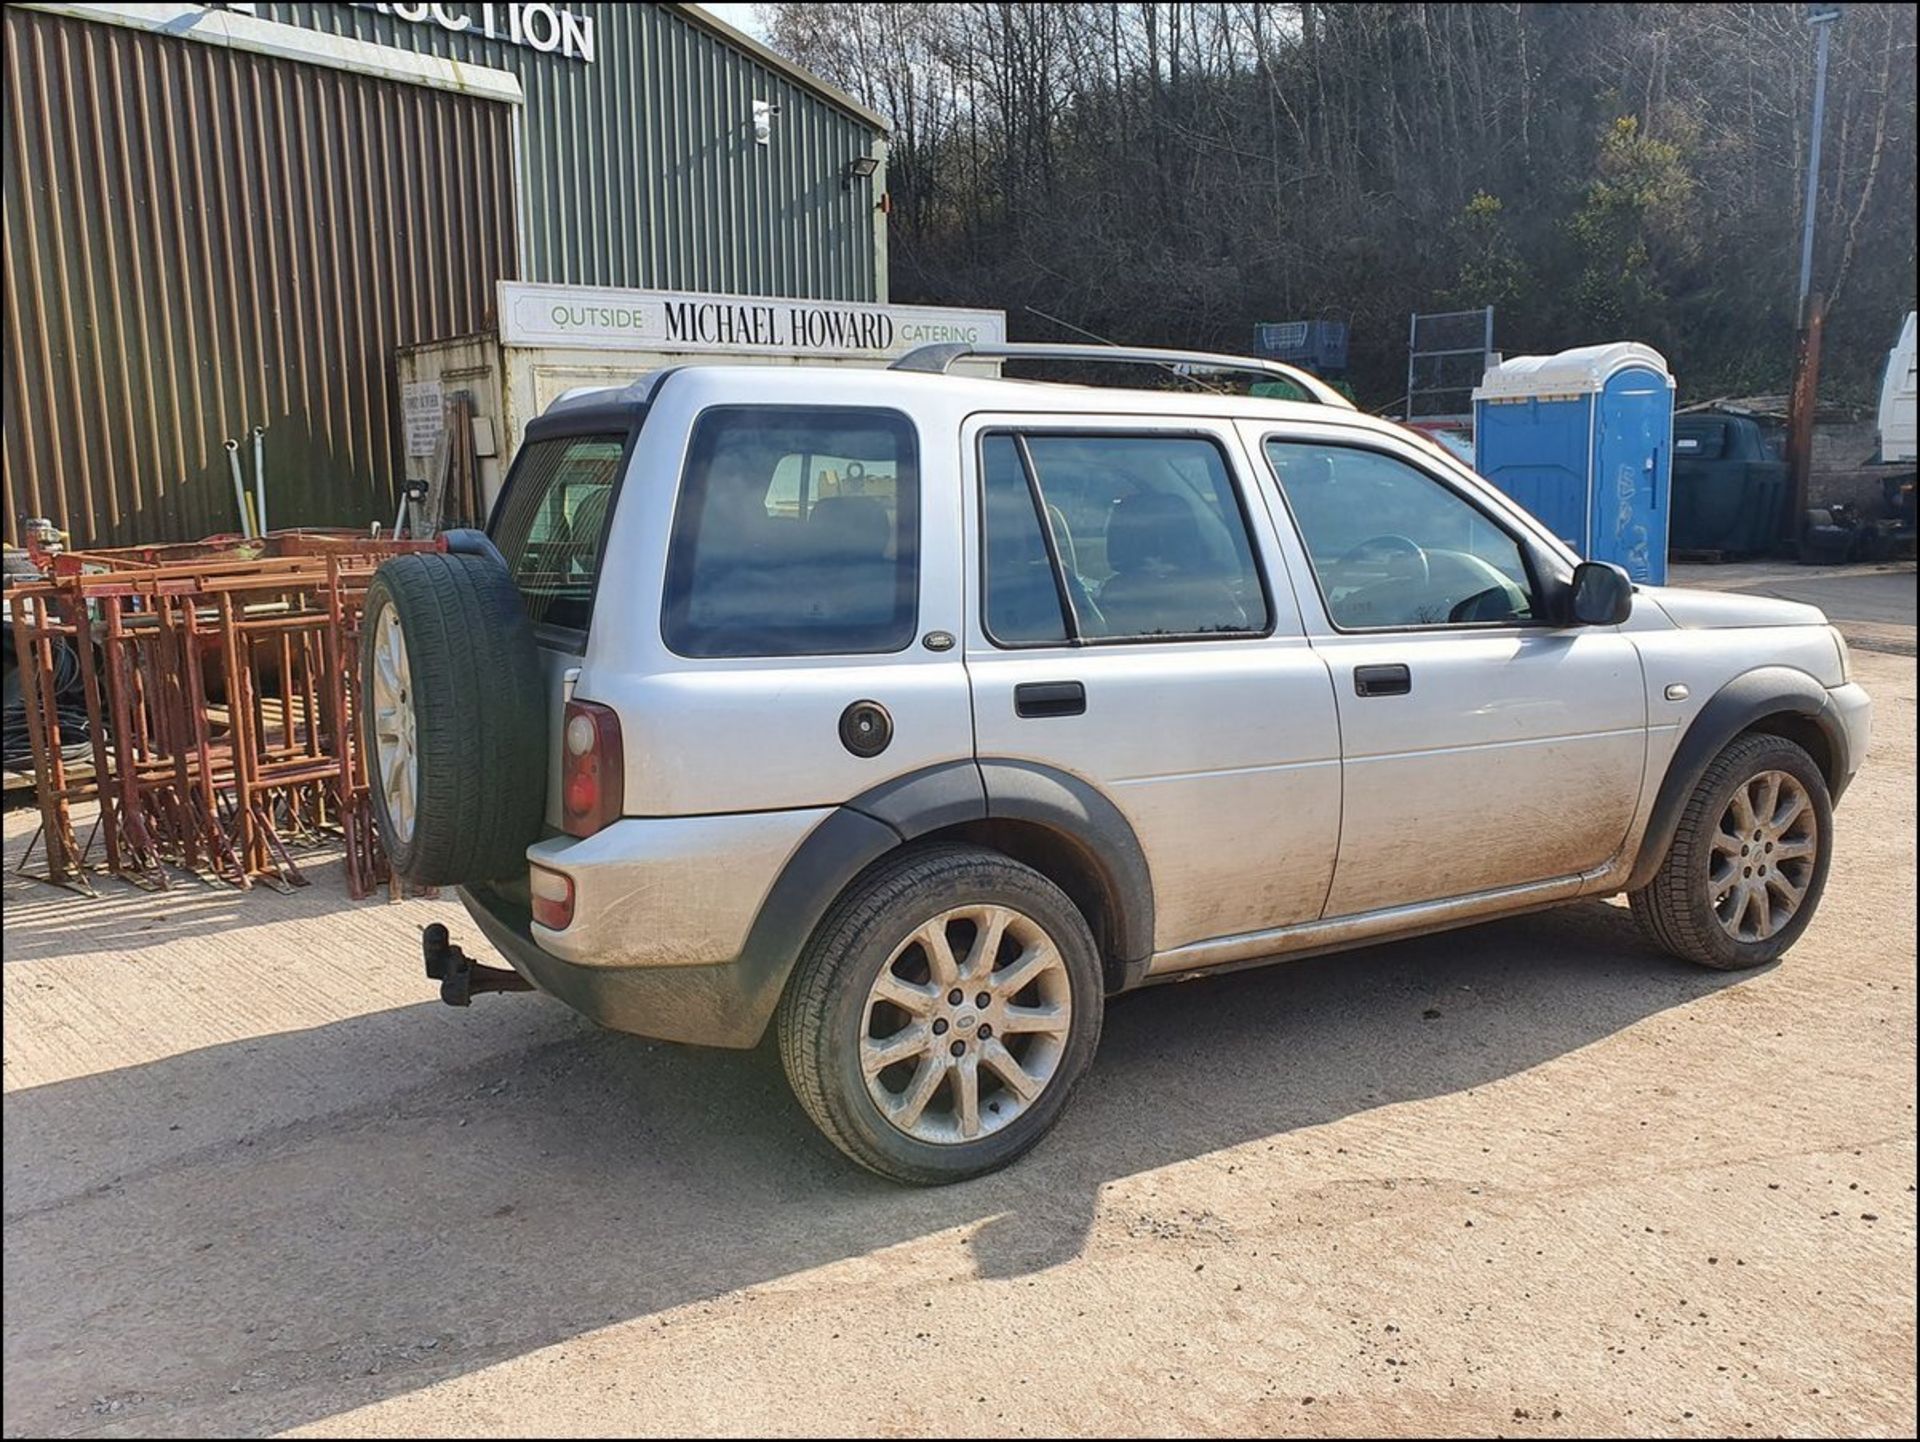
{"x":1176,"y":172}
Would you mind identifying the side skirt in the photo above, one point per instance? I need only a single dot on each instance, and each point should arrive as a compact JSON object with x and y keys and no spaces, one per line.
{"x":1395,"y":923}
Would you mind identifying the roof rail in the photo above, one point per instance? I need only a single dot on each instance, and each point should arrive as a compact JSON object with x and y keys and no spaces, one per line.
{"x":936,"y":359}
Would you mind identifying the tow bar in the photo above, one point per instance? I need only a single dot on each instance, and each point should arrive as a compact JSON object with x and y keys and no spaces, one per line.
{"x":459,"y":975}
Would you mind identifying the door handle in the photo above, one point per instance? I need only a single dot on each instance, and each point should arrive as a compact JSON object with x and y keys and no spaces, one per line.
{"x":1049,"y":698}
{"x":1382,"y":680}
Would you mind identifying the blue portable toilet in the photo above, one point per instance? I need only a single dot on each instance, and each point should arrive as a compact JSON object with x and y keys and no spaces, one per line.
{"x":1584,"y":440}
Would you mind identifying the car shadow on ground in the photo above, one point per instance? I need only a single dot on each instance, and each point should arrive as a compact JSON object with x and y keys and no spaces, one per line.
{"x":590,"y":1178}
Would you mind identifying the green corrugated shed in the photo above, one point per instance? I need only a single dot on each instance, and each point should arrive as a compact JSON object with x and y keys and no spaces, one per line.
{"x":638,"y":156}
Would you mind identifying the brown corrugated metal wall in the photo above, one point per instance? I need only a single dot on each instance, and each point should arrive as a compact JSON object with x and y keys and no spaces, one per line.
{"x":200,"y":240}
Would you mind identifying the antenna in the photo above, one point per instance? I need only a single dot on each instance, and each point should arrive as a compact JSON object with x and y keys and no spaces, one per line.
{"x":1091,"y":335}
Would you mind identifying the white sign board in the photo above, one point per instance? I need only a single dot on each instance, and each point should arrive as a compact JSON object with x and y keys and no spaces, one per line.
{"x":694,"y":323}
{"x":423,"y":414}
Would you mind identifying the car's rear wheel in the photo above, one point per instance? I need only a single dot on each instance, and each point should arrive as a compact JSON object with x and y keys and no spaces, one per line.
{"x":941,"y":1014}
{"x":1749,"y":860}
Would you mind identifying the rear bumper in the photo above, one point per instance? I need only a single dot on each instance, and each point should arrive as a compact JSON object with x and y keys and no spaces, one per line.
{"x":721,"y":1005}
{"x":668,"y":891}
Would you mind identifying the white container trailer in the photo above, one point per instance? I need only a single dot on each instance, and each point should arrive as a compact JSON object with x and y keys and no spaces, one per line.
{"x":552,"y":339}
{"x":1896,"y":417}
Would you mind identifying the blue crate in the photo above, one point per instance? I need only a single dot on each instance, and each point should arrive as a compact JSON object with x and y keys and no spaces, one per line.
{"x":1316,"y":345}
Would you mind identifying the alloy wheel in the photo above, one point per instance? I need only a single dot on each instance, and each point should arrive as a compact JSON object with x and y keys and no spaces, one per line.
{"x":966,"y":1024}
{"x":1764,"y":854}
{"x":395,"y":753}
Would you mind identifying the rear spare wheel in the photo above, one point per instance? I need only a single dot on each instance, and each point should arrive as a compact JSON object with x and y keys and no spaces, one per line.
{"x":453,"y":718}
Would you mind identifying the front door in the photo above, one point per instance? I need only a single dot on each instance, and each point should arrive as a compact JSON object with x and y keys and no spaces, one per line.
{"x":1144,"y":639}
{"x":1483,"y":747}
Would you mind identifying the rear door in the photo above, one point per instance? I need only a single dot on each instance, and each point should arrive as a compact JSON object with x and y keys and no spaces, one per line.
{"x":550,"y":526}
{"x":1144,"y":640}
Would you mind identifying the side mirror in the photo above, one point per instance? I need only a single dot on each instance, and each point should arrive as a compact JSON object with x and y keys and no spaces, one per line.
{"x":1602,"y":594}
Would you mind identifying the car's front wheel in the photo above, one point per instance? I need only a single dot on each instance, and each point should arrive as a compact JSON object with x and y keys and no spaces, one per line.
{"x":1749,"y":860}
{"x":942,"y":1014}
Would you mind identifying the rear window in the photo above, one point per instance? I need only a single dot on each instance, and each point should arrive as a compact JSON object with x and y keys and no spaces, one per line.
{"x":1700,"y":440}
{"x":553,"y":523}
{"x":796,"y":534}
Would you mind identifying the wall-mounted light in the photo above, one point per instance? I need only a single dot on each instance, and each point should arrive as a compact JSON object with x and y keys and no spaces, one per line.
{"x":860,"y":167}
{"x":763,"y":113}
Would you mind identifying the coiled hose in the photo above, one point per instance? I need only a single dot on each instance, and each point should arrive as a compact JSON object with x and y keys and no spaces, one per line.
{"x":16,"y":752}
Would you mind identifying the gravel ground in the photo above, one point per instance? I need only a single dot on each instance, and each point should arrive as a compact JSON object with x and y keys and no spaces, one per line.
{"x":1529,"y":1178}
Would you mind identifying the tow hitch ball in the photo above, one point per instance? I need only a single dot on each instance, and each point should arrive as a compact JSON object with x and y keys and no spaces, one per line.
{"x":459,"y":975}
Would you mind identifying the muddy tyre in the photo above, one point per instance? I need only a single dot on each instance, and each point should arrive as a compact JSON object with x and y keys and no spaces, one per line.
{"x":1748,"y":863}
{"x":941,"y":1014}
{"x":453,"y":718}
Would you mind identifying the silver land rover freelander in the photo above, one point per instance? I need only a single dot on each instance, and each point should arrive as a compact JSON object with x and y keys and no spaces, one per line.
{"x":912,"y":714}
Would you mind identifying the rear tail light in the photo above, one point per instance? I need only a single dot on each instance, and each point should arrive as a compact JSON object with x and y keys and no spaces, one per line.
{"x":552,"y":897}
{"x":592,"y":769}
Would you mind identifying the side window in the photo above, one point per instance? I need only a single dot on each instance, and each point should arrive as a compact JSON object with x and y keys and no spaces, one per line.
{"x":1148,"y":531}
{"x":1023,"y":596}
{"x":553,"y":523}
{"x":1392,"y":547}
{"x":796,"y":534}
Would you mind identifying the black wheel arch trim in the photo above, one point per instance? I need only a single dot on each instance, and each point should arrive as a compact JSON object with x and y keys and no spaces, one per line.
{"x":1736,"y":707}
{"x":927,"y":800}
{"x":1077,"y":812}
{"x":904,"y":808}
{"x":846,"y":842}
